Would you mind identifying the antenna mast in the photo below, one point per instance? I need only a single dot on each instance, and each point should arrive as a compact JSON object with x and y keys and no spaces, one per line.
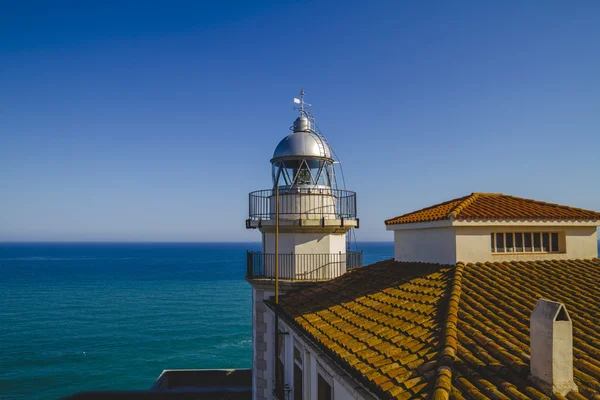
{"x":305,"y":109}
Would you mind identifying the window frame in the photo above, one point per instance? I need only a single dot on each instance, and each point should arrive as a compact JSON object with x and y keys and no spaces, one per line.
{"x":298,"y":390}
{"x":322,"y":374}
{"x":506,"y":238}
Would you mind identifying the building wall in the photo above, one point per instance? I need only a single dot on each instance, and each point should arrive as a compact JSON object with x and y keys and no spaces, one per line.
{"x":314,"y":363}
{"x":434,"y":245}
{"x":340,"y":392}
{"x":262,"y":346}
{"x":473,"y":243}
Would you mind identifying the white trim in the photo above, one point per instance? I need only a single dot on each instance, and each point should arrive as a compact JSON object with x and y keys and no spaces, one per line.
{"x":524,"y":222}
{"x":488,"y":222}
{"x":419,"y":225}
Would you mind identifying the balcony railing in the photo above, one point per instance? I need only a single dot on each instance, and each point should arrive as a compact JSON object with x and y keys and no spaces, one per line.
{"x":307,"y":267}
{"x":303,"y":203}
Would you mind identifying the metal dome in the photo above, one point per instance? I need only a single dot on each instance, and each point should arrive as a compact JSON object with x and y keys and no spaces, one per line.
{"x":302,"y":143}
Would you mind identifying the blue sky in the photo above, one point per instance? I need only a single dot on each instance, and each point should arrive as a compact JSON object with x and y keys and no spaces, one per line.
{"x":151,"y":121}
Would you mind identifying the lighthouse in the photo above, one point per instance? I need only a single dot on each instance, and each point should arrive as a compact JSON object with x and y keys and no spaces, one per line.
{"x":304,"y":220}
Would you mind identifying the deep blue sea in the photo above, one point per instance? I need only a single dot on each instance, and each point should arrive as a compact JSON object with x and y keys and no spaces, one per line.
{"x":77,"y":317}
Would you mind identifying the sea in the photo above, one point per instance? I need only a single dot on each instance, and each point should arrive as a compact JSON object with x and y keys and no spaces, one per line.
{"x":112,"y":316}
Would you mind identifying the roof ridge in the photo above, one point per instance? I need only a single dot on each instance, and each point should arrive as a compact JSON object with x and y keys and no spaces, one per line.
{"x":490,"y":194}
{"x":443,"y":384}
{"x":468,"y":201}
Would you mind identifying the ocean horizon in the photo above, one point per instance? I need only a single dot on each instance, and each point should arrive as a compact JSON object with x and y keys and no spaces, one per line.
{"x":79,"y":316}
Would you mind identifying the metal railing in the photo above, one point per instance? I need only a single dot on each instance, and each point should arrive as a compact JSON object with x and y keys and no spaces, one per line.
{"x":303,"y":203}
{"x":309,"y":267}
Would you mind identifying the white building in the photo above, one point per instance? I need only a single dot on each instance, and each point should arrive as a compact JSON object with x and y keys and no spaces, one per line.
{"x":450,"y":317}
{"x":494,"y":227}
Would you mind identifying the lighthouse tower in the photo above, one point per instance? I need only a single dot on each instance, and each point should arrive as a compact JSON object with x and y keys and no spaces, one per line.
{"x":304,"y":219}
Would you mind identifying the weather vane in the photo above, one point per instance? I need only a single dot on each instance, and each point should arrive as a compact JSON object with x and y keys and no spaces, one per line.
{"x":301,"y":101}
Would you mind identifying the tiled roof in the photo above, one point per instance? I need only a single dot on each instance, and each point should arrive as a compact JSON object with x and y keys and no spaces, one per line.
{"x":413,"y":330}
{"x":493,"y":324}
{"x":495,"y":206}
{"x":382,"y":322}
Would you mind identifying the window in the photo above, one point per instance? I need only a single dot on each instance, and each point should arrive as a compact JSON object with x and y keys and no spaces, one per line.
{"x":280,"y":360}
{"x":509,"y":242}
{"x":500,"y":242}
{"x":545,"y":241}
{"x":297,"y":356}
{"x":298,"y":382}
{"x":525,"y":242}
{"x":528,"y":246}
{"x":323,"y":389}
{"x":537,"y":241}
{"x":554,"y":241}
{"x":519,"y":242}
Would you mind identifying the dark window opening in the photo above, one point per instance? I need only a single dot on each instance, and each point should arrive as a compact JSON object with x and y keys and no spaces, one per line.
{"x":537,"y":241}
{"x":280,"y":372}
{"x":554,"y":241}
{"x":500,"y":242}
{"x":297,"y":383}
{"x":527,"y":237}
{"x":323,"y":389}
{"x":297,"y":355}
{"x":545,"y":241}
{"x":519,"y":241}
{"x":493,"y":247}
{"x":509,"y":242}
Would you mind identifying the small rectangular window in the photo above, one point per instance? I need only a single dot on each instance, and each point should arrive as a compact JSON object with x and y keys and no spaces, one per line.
{"x":298,"y":383}
{"x":297,"y":356}
{"x":554,"y":241}
{"x":280,"y":372}
{"x":500,"y":242}
{"x":519,"y":241}
{"x":537,"y":241}
{"x":545,"y":241}
{"x":509,"y":242}
{"x":323,"y":389}
{"x":492,"y":243}
{"x":527,"y":240}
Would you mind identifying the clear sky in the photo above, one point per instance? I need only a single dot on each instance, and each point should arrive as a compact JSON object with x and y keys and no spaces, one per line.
{"x":151,"y":121}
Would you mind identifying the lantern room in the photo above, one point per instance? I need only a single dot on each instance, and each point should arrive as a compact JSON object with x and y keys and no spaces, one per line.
{"x":303,"y":159}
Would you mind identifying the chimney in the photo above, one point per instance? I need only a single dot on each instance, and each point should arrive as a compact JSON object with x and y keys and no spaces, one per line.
{"x":551,"y":337}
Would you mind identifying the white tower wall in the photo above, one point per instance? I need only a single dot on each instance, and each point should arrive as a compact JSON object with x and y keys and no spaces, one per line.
{"x":315,"y":204}
{"x":314,"y":256}
{"x":306,"y":243}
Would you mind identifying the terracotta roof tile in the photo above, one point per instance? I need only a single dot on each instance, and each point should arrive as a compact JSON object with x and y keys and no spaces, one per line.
{"x":494,"y":313}
{"x":477,"y":206}
{"x":412,"y":330}
{"x":384,"y":317}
